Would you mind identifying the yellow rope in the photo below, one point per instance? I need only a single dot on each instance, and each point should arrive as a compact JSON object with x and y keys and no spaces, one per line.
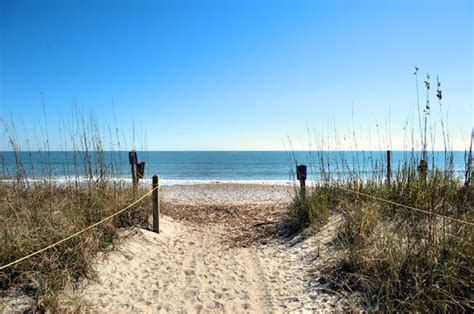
{"x":77,"y":233}
{"x":406,"y":206}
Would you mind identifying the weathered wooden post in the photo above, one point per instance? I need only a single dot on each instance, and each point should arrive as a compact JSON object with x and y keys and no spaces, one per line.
{"x":132,"y":158}
{"x":301,"y":171}
{"x":155,"y":199}
{"x":140,"y":170}
{"x":137,"y":168}
{"x":389,"y":167}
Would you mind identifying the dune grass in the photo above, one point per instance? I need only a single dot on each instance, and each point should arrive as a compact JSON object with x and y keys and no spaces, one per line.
{"x":37,"y":213}
{"x":35,"y":217}
{"x":394,"y":258}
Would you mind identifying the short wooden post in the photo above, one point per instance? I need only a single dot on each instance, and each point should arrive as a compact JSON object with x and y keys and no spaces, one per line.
{"x":140,"y":170}
{"x":301,"y":172}
{"x":155,"y":199}
{"x":132,"y":158}
{"x":389,"y":167}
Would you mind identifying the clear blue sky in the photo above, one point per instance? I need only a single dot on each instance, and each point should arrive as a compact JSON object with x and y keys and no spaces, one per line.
{"x":219,"y":75}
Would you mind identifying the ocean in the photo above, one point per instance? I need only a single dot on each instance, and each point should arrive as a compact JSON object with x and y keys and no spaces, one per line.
{"x":188,"y":167}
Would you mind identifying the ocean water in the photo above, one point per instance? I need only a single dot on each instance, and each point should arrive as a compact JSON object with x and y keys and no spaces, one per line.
{"x":187,"y":167}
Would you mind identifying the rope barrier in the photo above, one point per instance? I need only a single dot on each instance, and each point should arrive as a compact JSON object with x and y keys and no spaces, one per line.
{"x":447,"y":234}
{"x":78,"y":232}
{"x":151,"y":191}
{"x":406,"y":206}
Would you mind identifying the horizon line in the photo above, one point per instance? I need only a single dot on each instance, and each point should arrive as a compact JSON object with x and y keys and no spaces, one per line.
{"x":241,"y":150}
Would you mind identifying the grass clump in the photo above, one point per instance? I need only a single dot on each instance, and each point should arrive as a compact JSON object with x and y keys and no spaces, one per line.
{"x":310,"y":206}
{"x":403,"y":261}
{"x":396,"y":258}
{"x":36,"y":217}
{"x":36,"y":210}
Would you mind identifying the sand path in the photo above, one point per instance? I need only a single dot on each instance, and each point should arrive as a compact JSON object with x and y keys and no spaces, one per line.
{"x":189,"y":268}
{"x":186,"y":268}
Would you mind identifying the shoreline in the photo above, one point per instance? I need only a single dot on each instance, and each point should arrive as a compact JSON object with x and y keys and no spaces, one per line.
{"x":62,"y":181}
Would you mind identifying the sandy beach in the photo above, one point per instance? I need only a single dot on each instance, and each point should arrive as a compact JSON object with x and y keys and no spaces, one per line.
{"x":227,"y":193}
{"x":189,"y":267}
{"x":220,"y":249}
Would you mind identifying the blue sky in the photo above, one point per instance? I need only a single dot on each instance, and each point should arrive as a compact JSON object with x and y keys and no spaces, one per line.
{"x":235,"y":75}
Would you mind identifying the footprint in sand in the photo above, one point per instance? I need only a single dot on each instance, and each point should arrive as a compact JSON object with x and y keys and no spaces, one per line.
{"x":189,"y":272}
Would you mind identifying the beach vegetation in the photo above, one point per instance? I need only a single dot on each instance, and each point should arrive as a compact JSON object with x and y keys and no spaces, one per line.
{"x":407,"y":244}
{"x":37,"y":213}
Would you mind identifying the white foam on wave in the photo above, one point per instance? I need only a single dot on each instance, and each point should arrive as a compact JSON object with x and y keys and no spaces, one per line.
{"x":72,"y":181}
{"x":148,"y":181}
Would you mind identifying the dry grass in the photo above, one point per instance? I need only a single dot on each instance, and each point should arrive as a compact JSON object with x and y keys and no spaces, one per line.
{"x":398,"y":259}
{"x":37,"y":216}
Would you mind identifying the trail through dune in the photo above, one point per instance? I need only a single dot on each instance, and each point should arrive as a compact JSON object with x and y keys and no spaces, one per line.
{"x":187,"y":268}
